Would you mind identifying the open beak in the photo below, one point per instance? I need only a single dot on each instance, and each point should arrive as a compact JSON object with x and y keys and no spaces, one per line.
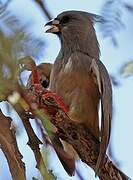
{"x":52,"y":26}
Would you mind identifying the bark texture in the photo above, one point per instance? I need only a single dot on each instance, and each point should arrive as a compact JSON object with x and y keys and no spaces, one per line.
{"x":9,"y":146}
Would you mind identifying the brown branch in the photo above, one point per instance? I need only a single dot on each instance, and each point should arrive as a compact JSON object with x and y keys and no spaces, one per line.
{"x":86,"y":146}
{"x":44,"y":9}
{"x":33,"y":140}
{"x":77,"y":135}
{"x":10,"y":149}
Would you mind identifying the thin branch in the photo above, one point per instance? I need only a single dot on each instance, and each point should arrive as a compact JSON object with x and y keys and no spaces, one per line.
{"x":4,"y":7}
{"x":44,"y":9}
{"x":10,"y":149}
{"x":33,"y":141}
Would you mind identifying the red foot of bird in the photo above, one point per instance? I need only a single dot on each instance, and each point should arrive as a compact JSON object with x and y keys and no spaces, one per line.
{"x":59,"y":102}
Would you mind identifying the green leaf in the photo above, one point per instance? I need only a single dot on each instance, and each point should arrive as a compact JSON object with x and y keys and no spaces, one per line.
{"x":127,"y":69}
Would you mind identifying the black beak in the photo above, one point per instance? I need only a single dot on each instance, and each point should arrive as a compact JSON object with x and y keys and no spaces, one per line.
{"x":48,"y":23}
{"x":52,"y":26}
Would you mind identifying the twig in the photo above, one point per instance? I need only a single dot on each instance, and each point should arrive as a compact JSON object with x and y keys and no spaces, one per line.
{"x":33,"y":141}
{"x":4,"y":7}
{"x":44,"y":9}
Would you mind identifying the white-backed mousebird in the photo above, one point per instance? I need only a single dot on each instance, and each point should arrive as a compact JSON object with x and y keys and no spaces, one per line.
{"x":43,"y":70}
{"x":80,"y":78}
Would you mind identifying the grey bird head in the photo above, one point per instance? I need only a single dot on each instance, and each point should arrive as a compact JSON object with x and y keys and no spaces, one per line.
{"x":76,"y":32}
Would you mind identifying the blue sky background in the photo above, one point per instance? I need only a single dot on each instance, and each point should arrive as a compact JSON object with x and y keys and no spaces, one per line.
{"x":113,"y":58}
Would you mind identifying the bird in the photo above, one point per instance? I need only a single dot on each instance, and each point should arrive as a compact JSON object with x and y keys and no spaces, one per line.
{"x":80,"y":78}
{"x":43,"y":70}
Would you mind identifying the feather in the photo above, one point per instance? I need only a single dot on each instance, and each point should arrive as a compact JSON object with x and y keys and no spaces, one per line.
{"x":105,"y":89}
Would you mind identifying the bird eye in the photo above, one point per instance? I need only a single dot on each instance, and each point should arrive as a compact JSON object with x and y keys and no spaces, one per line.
{"x":45,"y":83}
{"x":65,"y":19}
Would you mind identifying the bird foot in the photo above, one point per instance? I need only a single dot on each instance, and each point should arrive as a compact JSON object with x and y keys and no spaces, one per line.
{"x":59,"y":102}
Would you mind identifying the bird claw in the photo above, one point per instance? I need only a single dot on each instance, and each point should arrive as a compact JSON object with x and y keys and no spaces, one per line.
{"x":50,"y":96}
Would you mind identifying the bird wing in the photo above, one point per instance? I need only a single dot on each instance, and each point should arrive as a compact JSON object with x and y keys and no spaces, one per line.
{"x":105,"y":89}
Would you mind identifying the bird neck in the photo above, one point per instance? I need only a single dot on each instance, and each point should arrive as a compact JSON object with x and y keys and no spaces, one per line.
{"x":83,"y":42}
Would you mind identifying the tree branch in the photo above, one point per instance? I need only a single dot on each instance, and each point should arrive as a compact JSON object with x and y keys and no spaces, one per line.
{"x":4,"y":6}
{"x":33,"y":142}
{"x":43,"y":8}
{"x":78,"y":137}
{"x":75,"y":134}
{"x":9,"y":147}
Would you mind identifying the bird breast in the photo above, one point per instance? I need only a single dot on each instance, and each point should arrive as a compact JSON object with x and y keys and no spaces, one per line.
{"x":77,"y":88}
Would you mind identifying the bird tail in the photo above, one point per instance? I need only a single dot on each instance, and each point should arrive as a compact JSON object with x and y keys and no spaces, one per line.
{"x":105,"y":89}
